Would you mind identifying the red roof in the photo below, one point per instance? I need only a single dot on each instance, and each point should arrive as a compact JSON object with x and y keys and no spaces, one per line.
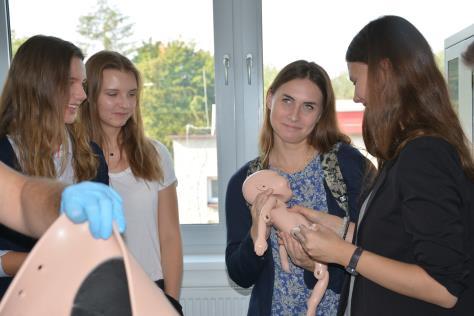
{"x":350,"y":122}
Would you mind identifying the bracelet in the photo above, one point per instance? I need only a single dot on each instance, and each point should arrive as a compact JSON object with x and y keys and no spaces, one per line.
{"x":344,"y":227}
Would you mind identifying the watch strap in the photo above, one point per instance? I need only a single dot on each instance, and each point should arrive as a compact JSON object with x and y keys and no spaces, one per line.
{"x":351,"y":267}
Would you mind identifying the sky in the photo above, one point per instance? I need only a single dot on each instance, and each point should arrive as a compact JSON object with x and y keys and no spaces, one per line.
{"x":292,"y":29}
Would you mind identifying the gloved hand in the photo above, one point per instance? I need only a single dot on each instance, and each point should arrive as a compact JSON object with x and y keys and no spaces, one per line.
{"x":94,"y":202}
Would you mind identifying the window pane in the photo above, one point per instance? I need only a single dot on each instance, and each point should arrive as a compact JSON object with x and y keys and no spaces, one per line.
{"x":173,"y":48}
{"x":320,"y":31}
{"x":453,"y":82}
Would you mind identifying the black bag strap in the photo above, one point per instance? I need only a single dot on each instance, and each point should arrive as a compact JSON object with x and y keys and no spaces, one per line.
{"x":254,"y":166}
{"x":333,"y":177}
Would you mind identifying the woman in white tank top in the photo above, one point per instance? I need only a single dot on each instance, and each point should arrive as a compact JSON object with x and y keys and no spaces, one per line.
{"x":140,"y":169}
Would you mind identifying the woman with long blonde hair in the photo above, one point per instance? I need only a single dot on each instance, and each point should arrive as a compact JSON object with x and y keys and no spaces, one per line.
{"x":140,"y":169}
{"x":39,"y":135}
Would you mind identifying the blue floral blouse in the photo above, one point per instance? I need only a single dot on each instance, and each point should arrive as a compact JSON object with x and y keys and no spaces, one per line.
{"x":290,"y":293}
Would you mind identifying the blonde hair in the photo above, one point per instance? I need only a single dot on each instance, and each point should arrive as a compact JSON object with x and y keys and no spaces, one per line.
{"x":143,"y":158}
{"x":32,"y":108}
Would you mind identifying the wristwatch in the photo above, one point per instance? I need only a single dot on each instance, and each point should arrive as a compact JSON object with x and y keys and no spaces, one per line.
{"x":351,"y":267}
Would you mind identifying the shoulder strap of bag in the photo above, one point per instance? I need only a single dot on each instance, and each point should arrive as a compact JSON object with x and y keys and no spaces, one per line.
{"x":334,"y":179}
{"x":254,"y":166}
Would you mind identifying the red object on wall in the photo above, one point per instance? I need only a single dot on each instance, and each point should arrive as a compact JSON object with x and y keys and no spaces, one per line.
{"x":350,"y":122}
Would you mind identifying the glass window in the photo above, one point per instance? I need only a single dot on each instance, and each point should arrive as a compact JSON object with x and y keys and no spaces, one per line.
{"x":176,"y":59}
{"x":453,"y":82}
{"x":212,"y":191}
{"x":174,"y":50}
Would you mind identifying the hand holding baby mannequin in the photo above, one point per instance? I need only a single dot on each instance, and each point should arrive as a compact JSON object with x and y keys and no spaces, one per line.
{"x":268,"y":192}
{"x":320,"y":273}
{"x":335,"y":223}
{"x":256,"y":211}
{"x":295,"y":251}
{"x":320,"y":242}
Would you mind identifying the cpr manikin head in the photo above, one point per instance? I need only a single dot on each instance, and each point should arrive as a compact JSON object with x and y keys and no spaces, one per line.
{"x":69,"y":273}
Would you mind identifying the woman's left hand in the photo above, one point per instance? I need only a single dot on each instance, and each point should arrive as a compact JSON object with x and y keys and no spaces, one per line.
{"x":320,"y":243}
{"x":296,"y":252}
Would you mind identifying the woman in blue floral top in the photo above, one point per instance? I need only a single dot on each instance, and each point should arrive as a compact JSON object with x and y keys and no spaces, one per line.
{"x":299,"y":126}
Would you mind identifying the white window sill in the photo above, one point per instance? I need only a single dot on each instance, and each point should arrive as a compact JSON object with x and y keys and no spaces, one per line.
{"x":205,"y":271}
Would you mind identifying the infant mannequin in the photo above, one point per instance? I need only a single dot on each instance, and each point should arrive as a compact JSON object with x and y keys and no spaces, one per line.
{"x":274,"y":212}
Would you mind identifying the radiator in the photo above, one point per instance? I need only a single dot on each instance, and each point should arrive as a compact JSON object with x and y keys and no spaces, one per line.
{"x":214,"y":301}
{"x":208,"y":291}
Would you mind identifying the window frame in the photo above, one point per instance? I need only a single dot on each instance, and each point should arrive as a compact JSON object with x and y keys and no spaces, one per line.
{"x":5,"y":41}
{"x":237,"y":34}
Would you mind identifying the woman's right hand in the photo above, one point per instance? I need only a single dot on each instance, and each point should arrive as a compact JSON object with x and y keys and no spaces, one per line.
{"x":318,"y":217}
{"x":331,"y":221}
{"x":255,"y":211}
{"x":322,"y":244}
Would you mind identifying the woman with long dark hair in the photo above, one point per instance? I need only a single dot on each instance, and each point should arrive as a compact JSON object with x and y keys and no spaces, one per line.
{"x":414,"y":244}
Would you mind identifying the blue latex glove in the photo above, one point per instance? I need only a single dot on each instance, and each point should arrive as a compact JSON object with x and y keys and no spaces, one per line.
{"x":94,"y":202}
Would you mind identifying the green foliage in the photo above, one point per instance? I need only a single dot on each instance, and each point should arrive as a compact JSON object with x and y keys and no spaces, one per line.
{"x":173,"y":76}
{"x":343,"y":87}
{"x":16,"y":42}
{"x":269,"y":74}
{"x":106,"y":26}
{"x":147,"y":51}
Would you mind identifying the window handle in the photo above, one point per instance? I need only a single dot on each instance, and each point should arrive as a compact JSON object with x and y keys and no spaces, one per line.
{"x":226,"y":62}
{"x":249,"y":62}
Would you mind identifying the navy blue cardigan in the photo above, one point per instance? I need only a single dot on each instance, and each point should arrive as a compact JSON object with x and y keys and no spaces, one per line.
{"x":12,"y":240}
{"x":246,"y":268}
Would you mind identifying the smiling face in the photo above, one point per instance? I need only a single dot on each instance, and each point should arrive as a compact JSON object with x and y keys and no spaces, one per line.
{"x":76,"y":90}
{"x":117,"y":98}
{"x":295,"y":107}
{"x":358,"y":75}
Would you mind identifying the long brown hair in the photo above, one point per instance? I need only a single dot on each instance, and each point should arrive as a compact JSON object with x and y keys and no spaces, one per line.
{"x":143,"y":158}
{"x":326,"y":133}
{"x":32,"y":108}
{"x":407,"y":94}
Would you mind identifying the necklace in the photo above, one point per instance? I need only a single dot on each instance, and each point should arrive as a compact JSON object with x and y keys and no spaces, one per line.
{"x":113,"y":154}
{"x":299,"y":166}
